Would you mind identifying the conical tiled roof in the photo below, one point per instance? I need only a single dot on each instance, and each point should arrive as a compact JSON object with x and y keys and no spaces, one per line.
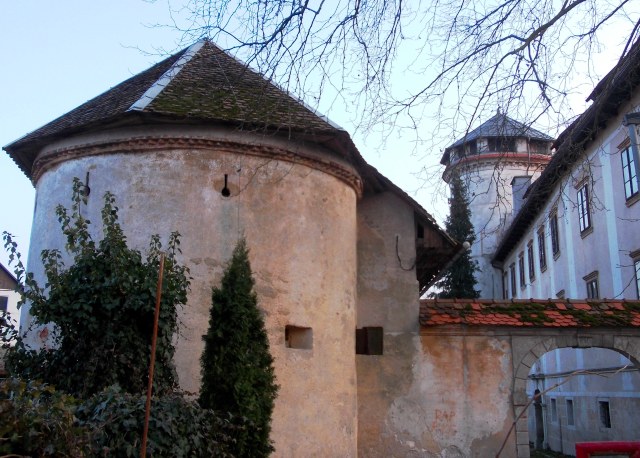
{"x":502,"y":125}
{"x":201,"y":83}
{"x":499,"y":126}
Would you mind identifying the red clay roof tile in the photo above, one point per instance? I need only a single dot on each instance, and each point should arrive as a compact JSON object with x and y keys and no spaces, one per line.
{"x":539,"y":313}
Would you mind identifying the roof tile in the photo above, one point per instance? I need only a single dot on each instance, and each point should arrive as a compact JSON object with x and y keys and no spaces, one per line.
{"x":538,"y":313}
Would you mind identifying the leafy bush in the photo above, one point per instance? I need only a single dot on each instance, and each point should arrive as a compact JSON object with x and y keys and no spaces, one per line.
{"x":37,"y":420}
{"x":177,"y":427}
{"x":102,"y":306}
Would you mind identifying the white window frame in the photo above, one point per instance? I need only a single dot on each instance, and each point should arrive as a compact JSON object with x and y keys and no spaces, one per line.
{"x":629,"y":175}
{"x":584,"y":208}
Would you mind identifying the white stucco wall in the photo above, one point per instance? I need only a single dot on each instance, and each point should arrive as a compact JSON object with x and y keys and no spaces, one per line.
{"x":615,"y":222}
{"x":491,"y":204}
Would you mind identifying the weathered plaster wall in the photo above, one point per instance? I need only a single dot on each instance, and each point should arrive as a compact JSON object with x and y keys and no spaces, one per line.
{"x":387,"y":297}
{"x":468,"y":394}
{"x":300,"y":225}
{"x":432,"y":396}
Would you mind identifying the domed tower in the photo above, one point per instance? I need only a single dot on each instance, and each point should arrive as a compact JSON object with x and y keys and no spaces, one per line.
{"x":497,"y":161}
{"x":202,"y":145}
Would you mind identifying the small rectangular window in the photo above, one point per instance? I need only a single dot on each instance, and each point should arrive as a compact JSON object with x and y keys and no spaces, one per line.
{"x":591,"y":282}
{"x":369,"y":341}
{"x":298,"y":337}
{"x":554,"y":411}
{"x":542,"y":253}
{"x":505,"y":285}
{"x":512,"y":272}
{"x":636,"y":264}
{"x":521,"y":269}
{"x":629,"y":173}
{"x":584,"y":208}
{"x":530,"y":261}
{"x":4,"y":303}
{"x":605,"y":414}
{"x":555,"y":236}
{"x":570,"y":420}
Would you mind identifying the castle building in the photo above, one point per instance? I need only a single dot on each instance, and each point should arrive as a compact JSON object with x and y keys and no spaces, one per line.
{"x":564,"y":226}
{"x":202,"y":145}
{"x":497,"y":161}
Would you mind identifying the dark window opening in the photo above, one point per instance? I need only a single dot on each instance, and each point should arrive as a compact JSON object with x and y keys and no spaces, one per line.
{"x":605,"y":414}
{"x":570,"y":420}
{"x":298,"y":337}
{"x":542,"y":250}
{"x":584,"y":210}
{"x":629,"y":173}
{"x":512,"y":272}
{"x":591,"y":281}
{"x":538,"y":147}
{"x":555,"y":236}
{"x":521,"y":269}
{"x":502,"y":145}
{"x":636,"y":264}
{"x":4,"y":302}
{"x":532,"y":271}
{"x":369,"y":341}
{"x":505,"y":286}
{"x":472,"y":148}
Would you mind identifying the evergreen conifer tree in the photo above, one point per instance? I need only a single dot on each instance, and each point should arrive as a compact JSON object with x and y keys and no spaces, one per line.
{"x":459,"y":281}
{"x":237,"y":368}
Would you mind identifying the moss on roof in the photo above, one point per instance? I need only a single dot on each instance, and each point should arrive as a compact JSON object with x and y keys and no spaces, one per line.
{"x":536,"y":313}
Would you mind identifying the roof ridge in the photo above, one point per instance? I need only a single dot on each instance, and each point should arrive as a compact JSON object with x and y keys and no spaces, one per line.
{"x":156,"y":88}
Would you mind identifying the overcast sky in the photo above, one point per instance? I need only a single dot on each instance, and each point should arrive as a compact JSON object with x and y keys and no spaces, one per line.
{"x":59,"y":54}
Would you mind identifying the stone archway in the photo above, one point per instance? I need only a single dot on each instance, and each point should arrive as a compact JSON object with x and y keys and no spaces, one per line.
{"x":527,"y":349}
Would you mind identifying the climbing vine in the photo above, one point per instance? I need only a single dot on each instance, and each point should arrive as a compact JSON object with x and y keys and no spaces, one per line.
{"x":102,"y":306}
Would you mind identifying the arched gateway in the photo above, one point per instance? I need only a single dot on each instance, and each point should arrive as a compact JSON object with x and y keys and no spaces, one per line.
{"x":498,"y":344}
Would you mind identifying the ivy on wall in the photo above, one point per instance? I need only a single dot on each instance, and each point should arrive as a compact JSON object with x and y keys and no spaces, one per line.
{"x":102,"y":306}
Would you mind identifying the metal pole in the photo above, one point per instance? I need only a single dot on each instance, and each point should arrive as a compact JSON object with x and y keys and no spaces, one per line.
{"x":154,"y":338}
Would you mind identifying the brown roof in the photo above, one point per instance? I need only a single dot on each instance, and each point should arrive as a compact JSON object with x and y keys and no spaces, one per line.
{"x":7,"y":279}
{"x":498,"y":126}
{"x":203,"y":84}
{"x":530,"y":313}
{"x":614,"y":90}
{"x":199,"y":83}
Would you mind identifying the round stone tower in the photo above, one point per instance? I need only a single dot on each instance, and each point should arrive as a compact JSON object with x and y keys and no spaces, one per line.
{"x":202,"y":145}
{"x":497,"y":161}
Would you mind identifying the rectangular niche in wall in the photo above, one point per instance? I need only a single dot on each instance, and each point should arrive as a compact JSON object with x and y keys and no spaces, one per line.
{"x":298,"y":337}
{"x":369,"y":341}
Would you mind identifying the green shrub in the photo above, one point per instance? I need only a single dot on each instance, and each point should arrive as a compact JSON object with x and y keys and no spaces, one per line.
{"x":237,"y":368}
{"x":177,"y":427}
{"x":102,"y":306}
{"x":37,"y":420}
